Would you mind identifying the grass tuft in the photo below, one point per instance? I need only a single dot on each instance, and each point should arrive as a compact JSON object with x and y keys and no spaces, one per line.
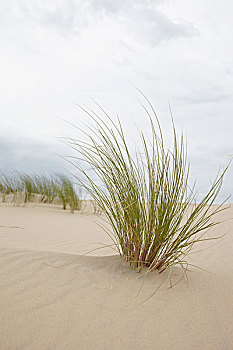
{"x":50,"y":189}
{"x":153,"y":213}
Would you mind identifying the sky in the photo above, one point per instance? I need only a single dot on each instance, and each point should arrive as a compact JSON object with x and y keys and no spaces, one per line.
{"x":57,"y":54}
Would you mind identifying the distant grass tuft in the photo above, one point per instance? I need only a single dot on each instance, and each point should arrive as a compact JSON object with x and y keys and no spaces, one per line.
{"x":67,"y":194}
{"x":57,"y":188}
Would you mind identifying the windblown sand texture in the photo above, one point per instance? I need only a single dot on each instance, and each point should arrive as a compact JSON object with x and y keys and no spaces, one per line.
{"x":53,"y":297}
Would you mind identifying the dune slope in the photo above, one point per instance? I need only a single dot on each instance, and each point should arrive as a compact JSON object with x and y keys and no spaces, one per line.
{"x":52,"y":297}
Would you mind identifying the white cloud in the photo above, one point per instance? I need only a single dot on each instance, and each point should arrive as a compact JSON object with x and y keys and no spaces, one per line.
{"x":69,"y":17}
{"x":56,"y":52}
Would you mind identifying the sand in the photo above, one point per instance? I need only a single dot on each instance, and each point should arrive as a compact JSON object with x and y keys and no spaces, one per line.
{"x":54,"y":297}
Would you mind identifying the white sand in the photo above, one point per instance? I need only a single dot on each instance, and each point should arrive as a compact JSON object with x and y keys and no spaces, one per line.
{"x":53,"y":298}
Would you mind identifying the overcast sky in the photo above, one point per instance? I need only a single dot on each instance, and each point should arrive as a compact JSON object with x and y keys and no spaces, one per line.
{"x":57,"y":53}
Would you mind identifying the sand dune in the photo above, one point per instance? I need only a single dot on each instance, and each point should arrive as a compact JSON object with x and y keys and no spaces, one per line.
{"x":44,"y":227}
{"x":52,"y":297}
